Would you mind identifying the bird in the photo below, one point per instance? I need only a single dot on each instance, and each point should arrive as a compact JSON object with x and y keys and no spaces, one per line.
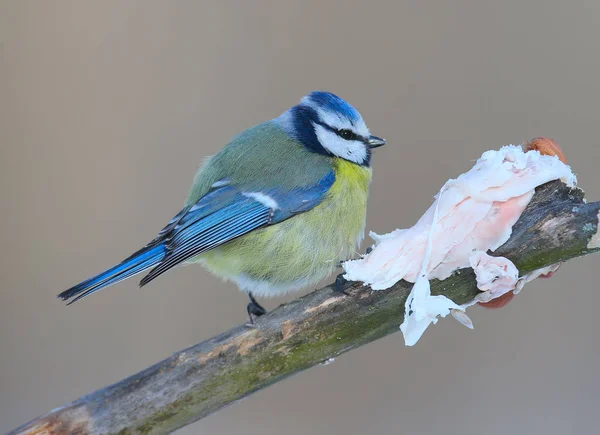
{"x":276,"y":210}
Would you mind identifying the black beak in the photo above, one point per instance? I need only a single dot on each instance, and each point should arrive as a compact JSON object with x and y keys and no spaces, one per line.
{"x":375,"y":142}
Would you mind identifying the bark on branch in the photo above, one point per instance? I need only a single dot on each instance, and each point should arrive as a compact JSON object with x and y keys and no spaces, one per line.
{"x":556,"y":226}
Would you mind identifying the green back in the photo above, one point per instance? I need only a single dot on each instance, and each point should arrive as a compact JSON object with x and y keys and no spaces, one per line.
{"x":262,"y":157}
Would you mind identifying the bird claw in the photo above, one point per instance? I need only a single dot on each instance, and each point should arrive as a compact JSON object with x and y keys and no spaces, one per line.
{"x":340,"y":282}
{"x":254,"y":308}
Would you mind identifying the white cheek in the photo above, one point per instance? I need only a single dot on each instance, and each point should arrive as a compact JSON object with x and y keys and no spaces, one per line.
{"x":351,"y":150}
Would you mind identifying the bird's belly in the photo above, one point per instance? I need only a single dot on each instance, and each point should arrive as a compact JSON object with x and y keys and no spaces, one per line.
{"x":300,"y":251}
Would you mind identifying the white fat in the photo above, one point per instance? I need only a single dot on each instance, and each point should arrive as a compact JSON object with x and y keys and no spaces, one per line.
{"x":263,"y":198}
{"x":471,"y":215}
{"x":498,"y":275}
{"x":462,"y":318}
{"x":352,"y":150}
{"x":423,"y":311}
{"x":421,"y":308}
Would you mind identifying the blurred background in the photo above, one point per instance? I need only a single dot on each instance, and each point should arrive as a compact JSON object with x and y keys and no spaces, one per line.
{"x":107,"y":108}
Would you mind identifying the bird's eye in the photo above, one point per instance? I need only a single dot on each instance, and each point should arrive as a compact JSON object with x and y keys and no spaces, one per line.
{"x":347,"y":134}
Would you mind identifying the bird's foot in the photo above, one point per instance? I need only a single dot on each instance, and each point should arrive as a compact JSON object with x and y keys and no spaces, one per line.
{"x":254,"y":309}
{"x":340,"y":283}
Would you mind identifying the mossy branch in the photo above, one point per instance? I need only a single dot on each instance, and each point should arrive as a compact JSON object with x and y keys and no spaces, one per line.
{"x":556,"y":226}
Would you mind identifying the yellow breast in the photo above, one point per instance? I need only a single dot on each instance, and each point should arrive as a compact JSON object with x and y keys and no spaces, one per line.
{"x":346,"y":202}
{"x":302,"y":250}
{"x":351,"y":179}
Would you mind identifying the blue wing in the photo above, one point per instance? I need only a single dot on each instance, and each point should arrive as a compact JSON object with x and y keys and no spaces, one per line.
{"x":227,"y":213}
{"x":223,"y":214}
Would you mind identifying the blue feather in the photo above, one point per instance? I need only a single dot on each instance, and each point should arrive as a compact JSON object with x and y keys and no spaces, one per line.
{"x":144,"y":259}
{"x":220,"y":216}
{"x":242,"y":215}
{"x":335,"y":104}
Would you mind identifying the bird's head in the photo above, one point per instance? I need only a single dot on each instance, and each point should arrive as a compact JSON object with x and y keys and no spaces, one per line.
{"x":326,"y":124}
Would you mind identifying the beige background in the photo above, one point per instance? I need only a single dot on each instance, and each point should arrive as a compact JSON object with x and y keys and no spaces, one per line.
{"x":107,"y":108}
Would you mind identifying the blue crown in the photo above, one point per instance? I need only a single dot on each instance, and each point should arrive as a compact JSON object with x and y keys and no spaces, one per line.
{"x":332,"y":103}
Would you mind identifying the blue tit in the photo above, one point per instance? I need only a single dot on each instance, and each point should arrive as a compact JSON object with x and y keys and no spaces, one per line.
{"x":276,"y":210}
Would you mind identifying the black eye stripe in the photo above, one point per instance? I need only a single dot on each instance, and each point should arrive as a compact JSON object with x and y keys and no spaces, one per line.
{"x":349,"y":135}
{"x":344,"y":133}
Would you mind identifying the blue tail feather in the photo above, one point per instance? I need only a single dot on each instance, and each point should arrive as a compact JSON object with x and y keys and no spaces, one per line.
{"x":145,"y":259}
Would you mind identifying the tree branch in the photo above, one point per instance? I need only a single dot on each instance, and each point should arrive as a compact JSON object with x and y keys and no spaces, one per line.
{"x":556,"y":226}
